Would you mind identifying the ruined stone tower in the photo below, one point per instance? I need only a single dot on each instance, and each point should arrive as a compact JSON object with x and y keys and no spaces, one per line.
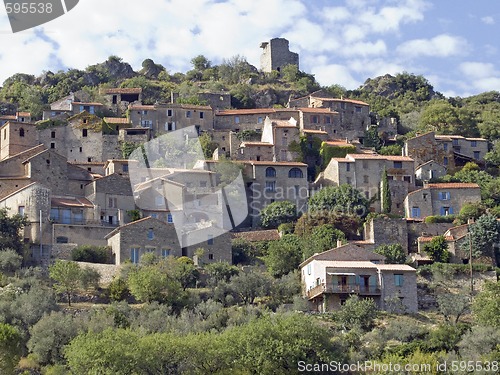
{"x":276,"y":54}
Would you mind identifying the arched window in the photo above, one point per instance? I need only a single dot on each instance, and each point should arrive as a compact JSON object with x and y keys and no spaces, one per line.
{"x":21,"y":132}
{"x":295,"y":173}
{"x":270,"y":172}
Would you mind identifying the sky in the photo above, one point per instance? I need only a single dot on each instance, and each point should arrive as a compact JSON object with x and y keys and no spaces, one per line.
{"x":452,"y":43}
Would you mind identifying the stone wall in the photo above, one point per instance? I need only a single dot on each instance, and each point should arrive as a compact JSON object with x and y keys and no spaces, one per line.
{"x":82,"y":234}
{"x":107,"y":271}
{"x":276,"y":54}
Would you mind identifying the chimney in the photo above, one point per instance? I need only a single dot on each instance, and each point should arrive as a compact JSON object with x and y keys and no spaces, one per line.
{"x":339,"y":243}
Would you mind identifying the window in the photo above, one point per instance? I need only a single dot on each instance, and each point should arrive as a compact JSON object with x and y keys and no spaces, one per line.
{"x":81,"y":149}
{"x":159,"y":201}
{"x":111,"y":202}
{"x":455,"y":142}
{"x":444,"y":195}
{"x":62,"y":239}
{"x":476,"y":154}
{"x":366,"y":179}
{"x":20,"y":210}
{"x":21,"y":132}
{"x":445,"y":146}
{"x":473,"y":143}
{"x":170,"y":126}
{"x":284,"y":141}
{"x":169,"y":112}
{"x":271,"y":186}
{"x":309,"y":269}
{"x":52,"y":145}
{"x":89,"y":159}
{"x":342,"y":105}
{"x":357,"y":109}
{"x":295,"y":173}
{"x":328,"y":120}
{"x":203,"y":184}
{"x":270,"y":172}
{"x":125,"y":168}
{"x":347,"y":167}
{"x":398,"y":279}
{"x":415,"y":212}
{"x":165,"y":253}
{"x":315,"y":119}
{"x":348,"y":180}
{"x":445,"y":211}
{"x":398,"y":164}
{"x":210,"y":240}
{"x":367,"y":194}
{"x":445,"y":160}
{"x":236,"y":119}
{"x":170,"y":219}
{"x":202,"y":115}
{"x":188,"y":114}
{"x":54,"y":214}
{"x":84,"y":132}
{"x":115,"y":99}
{"x":151,"y":234}
{"x":259,"y":120}
{"x":134,"y":255}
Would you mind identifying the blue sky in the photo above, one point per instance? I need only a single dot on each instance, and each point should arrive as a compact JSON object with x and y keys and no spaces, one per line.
{"x":454,"y":44}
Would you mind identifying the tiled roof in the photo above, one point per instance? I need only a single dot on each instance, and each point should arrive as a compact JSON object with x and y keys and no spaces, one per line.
{"x":71,"y":202}
{"x":141,"y":106}
{"x":316,"y":110}
{"x":454,"y":185}
{"x":87,"y":163}
{"x":137,"y":90}
{"x":338,"y":142}
{"x":257,"y":144}
{"x":25,"y":114}
{"x":342,"y":160}
{"x":314,"y":131}
{"x":348,"y":252}
{"x":340,"y":100}
{"x":380,"y":157}
{"x":429,"y":239}
{"x":395,"y":267}
{"x":254,"y":111}
{"x":8,"y":117}
{"x":91,"y":103}
{"x":258,"y":235}
{"x":116,"y":120}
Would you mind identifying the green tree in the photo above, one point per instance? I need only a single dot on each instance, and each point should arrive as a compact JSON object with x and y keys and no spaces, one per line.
{"x":321,"y":238}
{"x":147,"y":283}
{"x":207,"y":145}
{"x":390,"y":150}
{"x":485,"y":232}
{"x":250,"y":285}
{"x":486,"y":305}
{"x":10,"y":227}
{"x":10,"y":348}
{"x":220,"y":271}
{"x":438,"y":250}
{"x":342,"y":199}
{"x":284,"y":255}
{"x":181,"y":270}
{"x":91,"y":254}
{"x":393,"y":253}
{"x":471,"y":211}
{"x":278,"y":213}
{"x":357,"y":313}
{"x":385,"y":193}
{"x":372,"y":138}
{"x":118,"y":289}
{"x":66,"y":276}
{"x":200,"y":63}
{"x":10,"y":260}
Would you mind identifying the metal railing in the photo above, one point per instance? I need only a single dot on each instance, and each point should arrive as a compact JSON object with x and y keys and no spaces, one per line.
{"x":345,"y":288}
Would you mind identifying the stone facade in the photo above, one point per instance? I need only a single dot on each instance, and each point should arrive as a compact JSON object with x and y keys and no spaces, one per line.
{"x":429,"y":171}
{"x":132,"y":240}
{"x":276,"y":54}
{"x":117,"y":100}
{"x":440,"y":199}
{"x":80,"y":234}
{"x":16,"y":137}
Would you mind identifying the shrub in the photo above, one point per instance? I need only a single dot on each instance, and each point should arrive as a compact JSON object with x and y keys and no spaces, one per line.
{"x":91,"y":254}
{"x":10,"y":260}
{"x":118,"y":290}
{"x":440,"y":219}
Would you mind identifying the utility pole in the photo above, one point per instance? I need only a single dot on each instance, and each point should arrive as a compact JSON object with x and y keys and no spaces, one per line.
{"x":469,"y":222}
{"x":41,"y":235}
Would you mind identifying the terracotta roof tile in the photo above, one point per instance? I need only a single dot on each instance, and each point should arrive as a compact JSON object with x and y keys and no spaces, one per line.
{"x":340,"y":100}
{"x":116,"y":120}
{"x":133,"y":90}
{"x":317,"y":110}
{"x":254,"y":111}
{"x":258,"y":235}
{"x":454,"y":185}
{"x":314,"y":131}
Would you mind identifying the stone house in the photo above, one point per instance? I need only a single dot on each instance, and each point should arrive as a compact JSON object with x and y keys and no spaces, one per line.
{"x":329,"y":278}
{"x":364,"y":172}
{"x":251,"y":119}
{"x":69,"y":106}
{"x":16,"y":137}
{"x":440,"y":199}
{"x":17,"y":117}
{"x":429,"y":170}
{"x":471,"y":149}
{"x":112,"y":197}
{"x":276,"y":54}
{"x":148,"y":235}
{"x":118,"y":166}
{"x":321,"y":119}
{"x":353,"y":115}
{"x":117,"y":100}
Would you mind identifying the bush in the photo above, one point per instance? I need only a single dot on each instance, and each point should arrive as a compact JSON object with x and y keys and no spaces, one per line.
{"x":440,"y":219}
{"x":118,"y":289}
{"x":91,"y":254}
{"x":10,"y":260}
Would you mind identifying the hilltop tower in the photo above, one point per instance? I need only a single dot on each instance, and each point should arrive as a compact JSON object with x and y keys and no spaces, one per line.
{"x":276,"y":54}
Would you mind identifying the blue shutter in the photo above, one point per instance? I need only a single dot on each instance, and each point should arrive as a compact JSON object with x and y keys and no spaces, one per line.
{"x":441,"y":211}
{"x":451,"y":210}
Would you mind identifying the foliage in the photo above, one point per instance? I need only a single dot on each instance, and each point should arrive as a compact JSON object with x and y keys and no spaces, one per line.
{"x":372,"y":138}
{"x":485,"y":232}
{"x":328,"y":152}
{"x":10,"y":227}
{"x":207,"y":145}
{"x":486,"y":305}
{"x":147,"y":283}
{"x":283,"y":255}
{"x":347,"y":224}
{"x":321,"y":238}
{"x":128,"y":147}
{"x":444,"y":118}
{"x":385,"y":193}
{"x":437,"y":250}
{"x":134,"y":214}
{"x":440,"y":219}
{"x":66,"y":276}
{"x":182,"y":270}
{"x":278,"y":213}
{"x":452,"y":305}
{"x":220,"y":271}
{"x":479,"y":342}
{"x":342,"y":199}
{"x":250,"y":285}
{"x":394,"y":253}
{"x":471,"y":211}
{"x":357,"y":313}
{"x":247,"y":135}
{"x":118,"y":289}
{"x":390,"y":150}
{"x":10,"y":260}
{"x":243,"y":251}
{"x":10,"y":348}
{"x":91,"y":254}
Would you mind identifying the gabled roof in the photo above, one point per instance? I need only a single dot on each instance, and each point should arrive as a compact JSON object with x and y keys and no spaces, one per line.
{"x":258,"y":235}
{"x":132,"y":90}
{"x":70,"y":202}
{"x":353,"y":101}
{"x":428,"y":162}
{"x":314,"y":131}
{"x":253,"y":111}
{"x":317,"y":110}
{"x":454,"y":185}
{"x":116,"y":120}
{"x":136,"y":222}
{"x":379,"y":157}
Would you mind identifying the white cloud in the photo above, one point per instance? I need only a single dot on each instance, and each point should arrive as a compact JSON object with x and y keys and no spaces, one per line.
{"x":488,"y":20}
{"x":335,"y":74}
{"x":335,"y":14}
{"x":440,"y":46}
{"x":365,"y":49}
{"x":487,"y":84}
{"x":477,"y":69}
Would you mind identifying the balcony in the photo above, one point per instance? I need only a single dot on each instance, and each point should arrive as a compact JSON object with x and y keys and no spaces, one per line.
{"x":344,"y":289}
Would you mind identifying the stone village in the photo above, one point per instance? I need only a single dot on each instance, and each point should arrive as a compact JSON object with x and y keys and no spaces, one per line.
{"x":67,"y":173}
